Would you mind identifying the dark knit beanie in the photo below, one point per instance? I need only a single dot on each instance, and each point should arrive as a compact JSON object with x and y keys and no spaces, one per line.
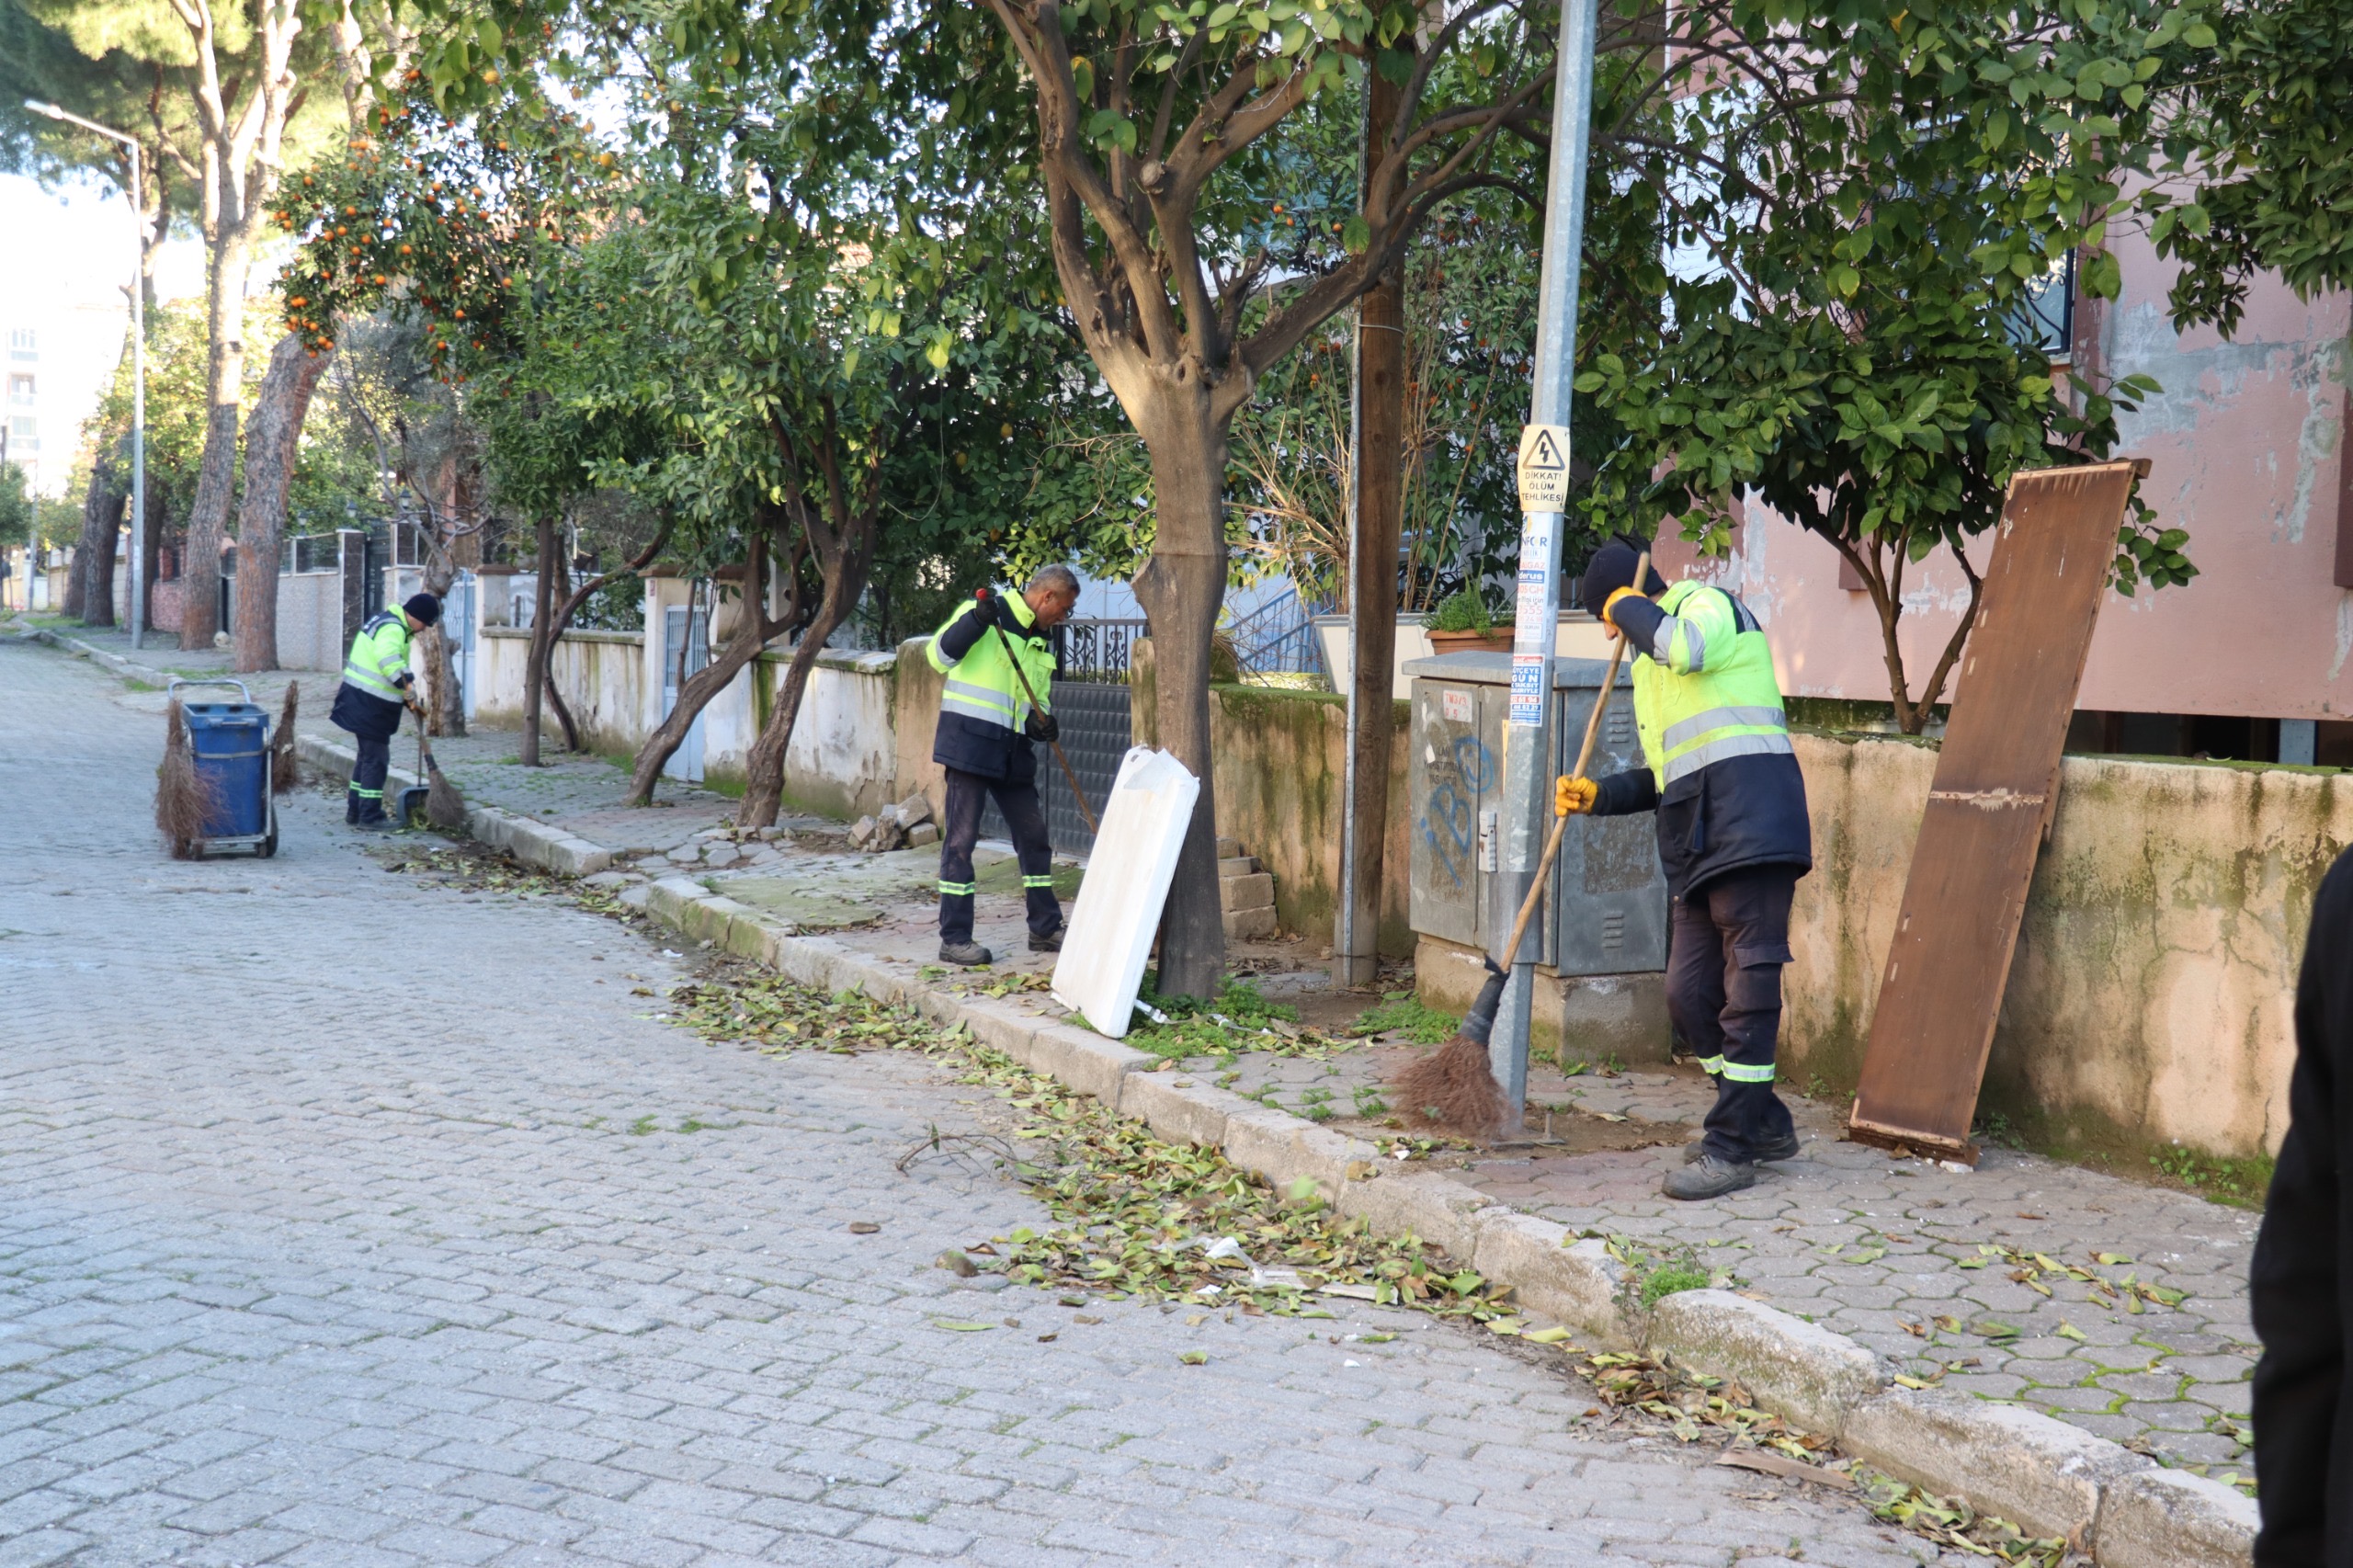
{"x":1612,"y":568}
{"x":425,"y":611}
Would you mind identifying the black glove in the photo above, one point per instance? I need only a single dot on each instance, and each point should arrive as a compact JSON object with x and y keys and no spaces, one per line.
{"x":1042,"y":727}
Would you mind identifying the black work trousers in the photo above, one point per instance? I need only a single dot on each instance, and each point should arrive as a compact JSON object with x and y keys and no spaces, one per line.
{"x":364,"y":800}
{"x":1724,"y":990}
{"x":1027,"y":819}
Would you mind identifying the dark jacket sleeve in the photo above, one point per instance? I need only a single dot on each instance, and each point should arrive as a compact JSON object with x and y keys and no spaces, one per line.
{"x":1638,"y":617}
{"x":2299,"y":1302}
{"x":963,"y":633}
{"x":1624,"y":794}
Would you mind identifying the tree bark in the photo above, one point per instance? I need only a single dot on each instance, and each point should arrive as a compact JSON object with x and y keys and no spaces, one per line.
{"x":534,"y":668}
{"x":753,"y":630}
{"x":89,"y":589}
{"x":272,"y":437}
{"x":216,"y":475}
{"x":764,"y":768}
{"x":1380,"y":457}
{"x":1182,"y":588}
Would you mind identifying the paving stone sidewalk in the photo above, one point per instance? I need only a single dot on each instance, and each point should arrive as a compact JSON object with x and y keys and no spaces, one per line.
{"x":350,"y":1220}
{"x":2113,"y":1304}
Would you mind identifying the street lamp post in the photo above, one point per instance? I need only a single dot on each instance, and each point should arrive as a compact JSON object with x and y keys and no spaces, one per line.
{"x":138,"y":369}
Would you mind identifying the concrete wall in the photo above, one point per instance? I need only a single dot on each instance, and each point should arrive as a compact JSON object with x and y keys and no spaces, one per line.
{"x":1279,"y":762}
{"x":600,"y":673}
{"x":2151,"y":999}
{"x":842,"y":757}
{"x":310,"y":621}
{"x":841,"y":760}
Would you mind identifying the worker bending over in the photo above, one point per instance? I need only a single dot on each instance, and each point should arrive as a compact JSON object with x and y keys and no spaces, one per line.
{"x":986,"y":725}
{"x":376,"y":681}
{"x":1732,"y":838}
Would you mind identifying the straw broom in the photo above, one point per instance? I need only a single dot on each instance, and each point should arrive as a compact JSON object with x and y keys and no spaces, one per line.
{"x":183,"y":798}
{"x":1455,"y":1085}
{"x":283,"y":773}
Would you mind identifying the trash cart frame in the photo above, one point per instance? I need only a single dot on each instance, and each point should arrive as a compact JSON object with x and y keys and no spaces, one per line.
{"x":265,"y":843}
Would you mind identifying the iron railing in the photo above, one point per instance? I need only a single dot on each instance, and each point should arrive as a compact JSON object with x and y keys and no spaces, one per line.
{"x":1279,"y":638}
{"x":1096,"y":650}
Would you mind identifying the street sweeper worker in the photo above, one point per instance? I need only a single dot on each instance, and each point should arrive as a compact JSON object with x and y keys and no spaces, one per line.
{"x":986,"y":726}
{"x":1732,"y":838}
{"x":376,"y":687}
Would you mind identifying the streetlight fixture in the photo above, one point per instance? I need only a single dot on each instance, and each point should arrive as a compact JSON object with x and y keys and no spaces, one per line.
{"x":138,"y":364}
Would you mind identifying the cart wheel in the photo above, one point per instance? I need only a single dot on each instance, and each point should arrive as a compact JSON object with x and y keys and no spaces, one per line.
{"x":269,"y":844}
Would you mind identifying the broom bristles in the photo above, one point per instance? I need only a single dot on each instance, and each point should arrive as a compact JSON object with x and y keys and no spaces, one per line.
{"x":1454,"y":1086}
{"x":444,"y":807}
{"x":183,"y":798}
{"x":283,"y":768}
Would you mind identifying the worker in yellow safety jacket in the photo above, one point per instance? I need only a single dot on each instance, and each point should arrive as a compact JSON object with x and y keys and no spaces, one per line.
{"x":986,"y":725}
{"x":376,"y":682}
{"x":1732,"y":839}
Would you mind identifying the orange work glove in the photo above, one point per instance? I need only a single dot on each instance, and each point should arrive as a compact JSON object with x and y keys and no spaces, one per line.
{"x":1612,"y":603}
{"x":1574,"y":797}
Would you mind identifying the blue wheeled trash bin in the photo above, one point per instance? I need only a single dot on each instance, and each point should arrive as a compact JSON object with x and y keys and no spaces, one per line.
{"x":230,"y":744}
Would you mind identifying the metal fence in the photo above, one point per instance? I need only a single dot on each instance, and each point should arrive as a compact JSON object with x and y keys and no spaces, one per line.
{"x":1095,"y":735}
{"x":2044,"y":316}
{"x":1279,"y":638}
{"x":1095,"y":649}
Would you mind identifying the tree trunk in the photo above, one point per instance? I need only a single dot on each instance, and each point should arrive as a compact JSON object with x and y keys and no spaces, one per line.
{"x":89,"y":589}
{"x":1373,"y":600}
{"x":764,"y":768}
{"x":216,"y":476}
{"x":561,"y":597}
{"x":534,"y":668}
{"x":753,"y":630}
{"x":1182,"y":588}
{"x":272,"y":437}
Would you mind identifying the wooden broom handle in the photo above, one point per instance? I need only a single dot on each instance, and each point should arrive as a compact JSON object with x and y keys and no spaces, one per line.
{"x":1585,"y":756}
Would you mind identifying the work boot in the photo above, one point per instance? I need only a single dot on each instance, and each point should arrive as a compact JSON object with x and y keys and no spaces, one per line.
{"x":970,"y":954}
{"x":1708,"y":1176}
{"x":351,"y":808}
{"x":1051,"y":942}
{"x":374,"y":825}
{"x":1786,"y":1149}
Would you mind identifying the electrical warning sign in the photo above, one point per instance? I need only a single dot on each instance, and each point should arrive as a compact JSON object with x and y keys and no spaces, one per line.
{"x":1543,"y":468}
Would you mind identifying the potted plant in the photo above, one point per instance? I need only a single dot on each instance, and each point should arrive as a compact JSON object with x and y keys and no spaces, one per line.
{"x":1462,"y":623}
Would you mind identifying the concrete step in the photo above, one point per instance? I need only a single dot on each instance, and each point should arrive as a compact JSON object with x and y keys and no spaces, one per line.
{"x":1228,"y":848}
{"x":1254,"y":892}
{"x":1231,"y":866}
{"x":1247,"y":925}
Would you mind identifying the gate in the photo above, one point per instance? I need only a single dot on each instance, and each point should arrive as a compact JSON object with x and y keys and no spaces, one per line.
{"x":1095,"y":736}
{"x":686,"y":648}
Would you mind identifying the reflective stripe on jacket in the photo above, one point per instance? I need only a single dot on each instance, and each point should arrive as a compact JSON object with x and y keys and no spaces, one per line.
{"x":1704,"y":690}
{"x":1717,"y":763}
{"x":378,"y":660}
{"x":983,"y":705}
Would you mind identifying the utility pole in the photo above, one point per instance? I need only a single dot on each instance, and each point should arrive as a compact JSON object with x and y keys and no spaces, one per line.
{"x":138,"y":364}
{"x":1529,"y":746}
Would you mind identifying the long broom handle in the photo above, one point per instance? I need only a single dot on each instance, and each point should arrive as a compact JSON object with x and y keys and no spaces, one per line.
{"x":1584,"y":755}
{"x":1031,"y":692}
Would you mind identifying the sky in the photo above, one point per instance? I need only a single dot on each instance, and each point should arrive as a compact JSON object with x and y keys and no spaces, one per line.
{"x":65,"y":256}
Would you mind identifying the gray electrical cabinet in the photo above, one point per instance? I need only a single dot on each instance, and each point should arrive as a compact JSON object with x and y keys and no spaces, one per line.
{"x":1605,"y":909}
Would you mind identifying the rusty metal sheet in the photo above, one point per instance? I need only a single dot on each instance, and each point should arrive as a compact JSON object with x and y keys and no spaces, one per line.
{"x":1996,"y":785}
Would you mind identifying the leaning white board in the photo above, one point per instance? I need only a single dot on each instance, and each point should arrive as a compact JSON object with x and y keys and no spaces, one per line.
{"x":1127,"y":881}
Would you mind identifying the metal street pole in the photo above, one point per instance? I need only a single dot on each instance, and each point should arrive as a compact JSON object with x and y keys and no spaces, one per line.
{"x":1529,"y":742}
{"x":137,"y":365}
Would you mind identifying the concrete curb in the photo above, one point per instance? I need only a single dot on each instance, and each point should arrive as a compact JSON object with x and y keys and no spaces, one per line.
{"x":97,"y":655}
{"x":2040,"y":1472}
{"x":534,"y":843}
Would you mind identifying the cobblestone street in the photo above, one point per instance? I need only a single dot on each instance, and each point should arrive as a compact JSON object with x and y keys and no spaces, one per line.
{"x":347,"y":1221}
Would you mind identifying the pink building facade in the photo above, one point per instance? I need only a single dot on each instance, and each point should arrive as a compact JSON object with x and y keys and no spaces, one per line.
{"x":2245,"y":446}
